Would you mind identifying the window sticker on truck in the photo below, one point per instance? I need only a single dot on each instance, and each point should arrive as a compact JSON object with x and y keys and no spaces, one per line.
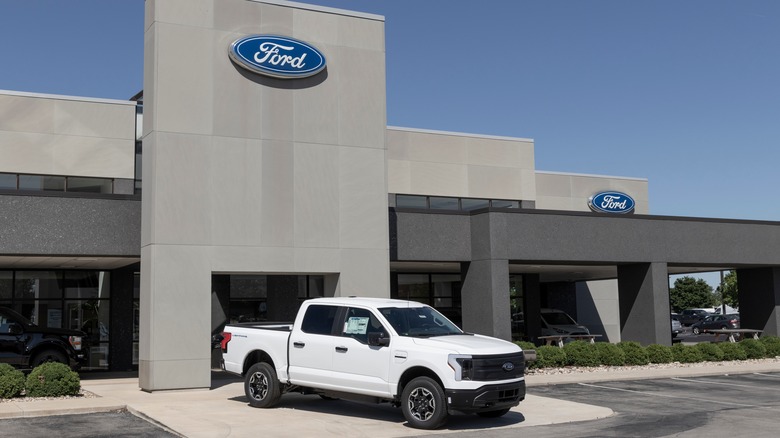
{"x":356,"y":325}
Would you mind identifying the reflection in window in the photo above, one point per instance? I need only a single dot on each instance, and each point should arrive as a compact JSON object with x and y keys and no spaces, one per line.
{"x":499,"y":203}
{"x":31,"y":285}
{"x":6,"y":285}
{"x":413,"y":287}
{"x":441,"y":203}
{"x":8,"y":181}
{"x":451,"y":203}
{"x":90,"y":185}
{"x":441,"y":291}
{"x":411,"y":201}
{"x":42,"y":183}
{"x":474,"y":204}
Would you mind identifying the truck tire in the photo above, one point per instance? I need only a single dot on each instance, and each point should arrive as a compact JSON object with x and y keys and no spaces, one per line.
{"x":696,"y":330}
{"x":493,"y":414}
{"x":423,"y":403}
{"x":261,"y":386}
{"x":49,"y":355}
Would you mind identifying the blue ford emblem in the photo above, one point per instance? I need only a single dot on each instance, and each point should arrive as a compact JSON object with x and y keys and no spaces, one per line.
{"x":277,"y":56}
{"x":611,"y":202}
{"x":508,"y":366}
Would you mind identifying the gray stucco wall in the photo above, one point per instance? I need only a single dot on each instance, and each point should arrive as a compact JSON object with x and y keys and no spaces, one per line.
{"x":49,"y":225}
{"x":537,"y":235}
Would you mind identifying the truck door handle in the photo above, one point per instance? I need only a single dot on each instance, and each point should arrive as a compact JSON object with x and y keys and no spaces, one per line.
{"x":299,"y":344}
{"x":341,"y":349}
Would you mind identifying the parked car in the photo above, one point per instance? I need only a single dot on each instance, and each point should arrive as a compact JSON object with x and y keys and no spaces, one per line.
{"x":557,"y":322}
{"x":714,"y":322}
{"x":676,"y":325}
{"x":692,"y":316}
{"x":26,"y":345}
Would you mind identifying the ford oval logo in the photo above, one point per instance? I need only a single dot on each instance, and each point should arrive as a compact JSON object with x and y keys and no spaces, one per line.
{"x":277,"y":56}
{"x":508,"y":366}
{"x":611,"y":202}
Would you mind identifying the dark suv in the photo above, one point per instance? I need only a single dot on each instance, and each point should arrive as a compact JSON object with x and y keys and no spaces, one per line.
{"x":25,"y":345}
{"x":692,"y":316}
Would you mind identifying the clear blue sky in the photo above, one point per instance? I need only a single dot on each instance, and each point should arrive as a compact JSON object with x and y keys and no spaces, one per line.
{"x":684,"y":93}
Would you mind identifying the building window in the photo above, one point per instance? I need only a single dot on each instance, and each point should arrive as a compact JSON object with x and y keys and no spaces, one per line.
{"x":449,"y":203}
{"x":411,"y":201}
{"x":56,"y":183}
{"x":440,"y":291}
{"x":90,"y":185}
{"x":78,"y":300}
{"x":42,"y":183}
{"x":7,"y":181}
{"x":468,"y":204}
{"x":442,"y":203}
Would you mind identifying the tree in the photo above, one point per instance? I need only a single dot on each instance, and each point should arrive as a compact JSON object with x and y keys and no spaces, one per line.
{"x":689,"y":292}
{"x":729,"y":290}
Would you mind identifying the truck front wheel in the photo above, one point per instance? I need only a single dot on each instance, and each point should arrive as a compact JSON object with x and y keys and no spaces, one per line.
{"x":423,"y":403}
{"x":261,"y":386}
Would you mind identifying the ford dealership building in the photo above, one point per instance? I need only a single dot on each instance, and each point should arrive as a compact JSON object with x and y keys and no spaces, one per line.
{"x":257,"y":170}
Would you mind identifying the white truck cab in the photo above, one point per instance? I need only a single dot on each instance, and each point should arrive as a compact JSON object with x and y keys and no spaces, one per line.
{"x":378,"y":350}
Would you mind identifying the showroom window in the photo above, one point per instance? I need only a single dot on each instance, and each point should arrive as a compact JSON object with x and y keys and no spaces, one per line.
{"x":438,"y":290}
{"x":76,"y":300}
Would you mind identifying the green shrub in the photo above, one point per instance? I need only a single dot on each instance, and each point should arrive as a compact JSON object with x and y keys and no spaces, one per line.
{"x":710,"y":351}
{"x":548,"y":356}
{"x":732,"y":351}
{"x":753,"y":348}
{"x":686,"y":353}
{"x":610,"y":354}
{"x":581,"y":354}
{"x":52,"y":379}
{"x":11,"y":381}
{"x":659,"y":353}
{"x":772,"y":345}
{"x":635,"y":353}
{"x":525,"y":345}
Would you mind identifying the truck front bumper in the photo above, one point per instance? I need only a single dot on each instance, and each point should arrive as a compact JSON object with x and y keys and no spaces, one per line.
{"x":486,"y":398}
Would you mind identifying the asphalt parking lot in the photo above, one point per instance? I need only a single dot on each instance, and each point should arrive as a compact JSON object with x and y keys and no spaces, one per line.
{"x":715,"y":406}
{"x":110,"y":424}
{"x":719,"y":406}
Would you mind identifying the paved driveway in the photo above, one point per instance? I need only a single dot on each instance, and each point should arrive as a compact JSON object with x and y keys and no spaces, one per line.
{"x":746,"y":405}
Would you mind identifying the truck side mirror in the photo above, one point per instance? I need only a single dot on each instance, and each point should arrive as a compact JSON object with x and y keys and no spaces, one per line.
{"x":15,"y":329}
{"x":378,"y":339}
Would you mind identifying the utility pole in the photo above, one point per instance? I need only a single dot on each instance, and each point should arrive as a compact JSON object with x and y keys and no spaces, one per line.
{"x":722,"y":295}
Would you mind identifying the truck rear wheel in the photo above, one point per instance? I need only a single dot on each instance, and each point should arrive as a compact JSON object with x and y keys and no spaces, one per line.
{"x":261,"y":386}
{"x":423,"y":403}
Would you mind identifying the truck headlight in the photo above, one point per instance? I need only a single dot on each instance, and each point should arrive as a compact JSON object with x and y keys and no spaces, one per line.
{"x":462,"y":365}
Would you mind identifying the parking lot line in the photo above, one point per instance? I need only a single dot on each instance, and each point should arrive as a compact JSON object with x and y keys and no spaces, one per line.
{"x":655,"y":394}
{"x":718,"y":382}
{"x":776,"y":376}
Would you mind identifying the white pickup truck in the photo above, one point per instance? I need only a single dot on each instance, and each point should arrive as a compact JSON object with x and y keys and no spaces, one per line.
{"x":377,"y":350}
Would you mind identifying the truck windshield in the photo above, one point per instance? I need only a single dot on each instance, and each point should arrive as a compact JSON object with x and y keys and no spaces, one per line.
{"x":419,"y":322}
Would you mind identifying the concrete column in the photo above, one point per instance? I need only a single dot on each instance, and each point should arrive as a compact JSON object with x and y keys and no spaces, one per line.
{"x":643,"y":294}
{"x":759,"y":299}
{"x":532,"y":306}
{"x":485,"y":298}
{"x":121,"y":330}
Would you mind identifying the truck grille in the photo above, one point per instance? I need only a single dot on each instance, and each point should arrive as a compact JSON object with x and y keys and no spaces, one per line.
{"x":497,"y":367}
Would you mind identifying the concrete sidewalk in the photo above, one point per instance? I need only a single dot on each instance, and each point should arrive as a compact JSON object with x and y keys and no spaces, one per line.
{"x":223,"y":411}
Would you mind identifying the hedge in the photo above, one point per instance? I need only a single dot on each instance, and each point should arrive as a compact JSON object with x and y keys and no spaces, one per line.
{"x":11,"y":381}
{"x":635,"y":353}
{"x":585,"y":354}
{"x":52,"y":379}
